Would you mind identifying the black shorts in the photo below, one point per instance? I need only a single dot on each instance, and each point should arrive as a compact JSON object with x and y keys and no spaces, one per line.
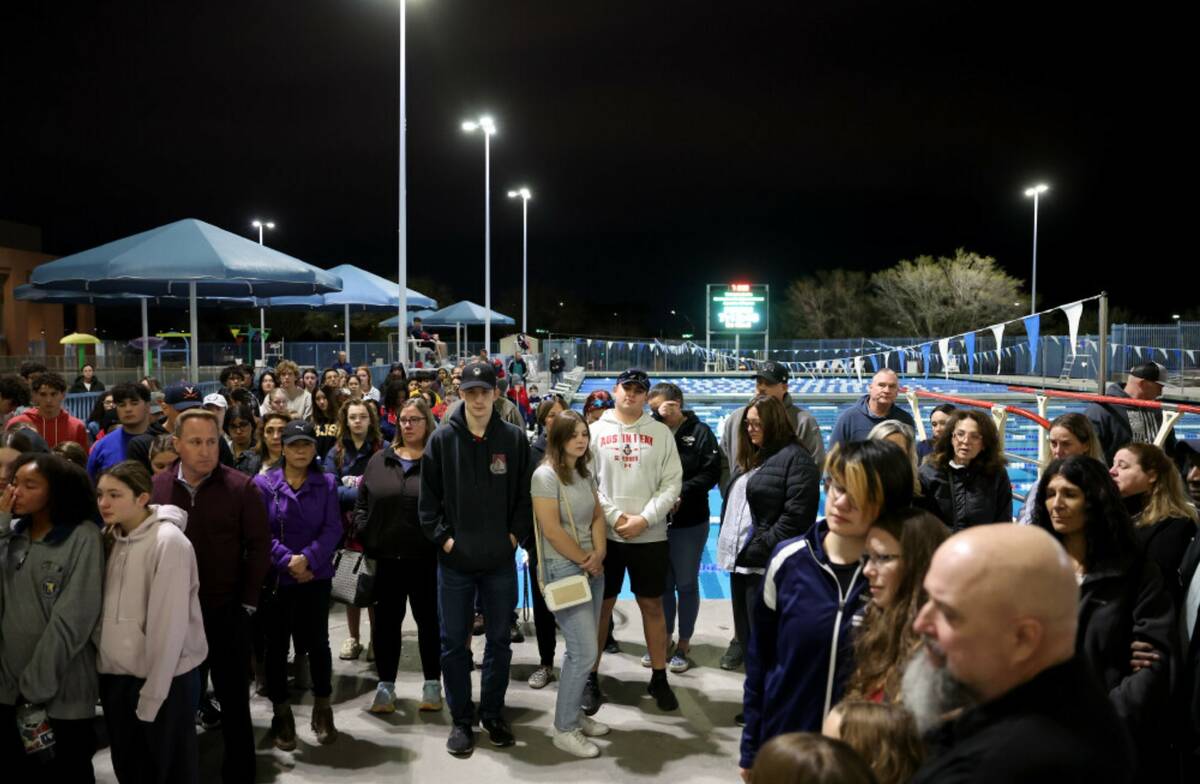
{"x":647,"y":563}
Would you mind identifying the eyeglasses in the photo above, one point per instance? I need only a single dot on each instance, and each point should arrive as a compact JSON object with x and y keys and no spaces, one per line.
{"x":880,"y":560}
{"x":963,"y":435}
{"x":754,"y":424}
{"x":411,"y":421}
{"x":836,"y":492}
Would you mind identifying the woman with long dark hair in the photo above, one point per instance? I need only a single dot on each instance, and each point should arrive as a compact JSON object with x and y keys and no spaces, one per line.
{"x":571,"y":537}
{"x":270,"y":440}
{"x":239,"y":430}
{"x":386,"y":524}
{"x":814,"y":591}
{"x":1069,"y":434}
{"x":1122,"y":599}
{"x":327,"y":401}
{"x":899,"y":549}
{"x":772,"y":496}
{"x":51,"y":580}
{"x":302,"y":512}
{"x":268,"y":382}
{"x":964,"y":480}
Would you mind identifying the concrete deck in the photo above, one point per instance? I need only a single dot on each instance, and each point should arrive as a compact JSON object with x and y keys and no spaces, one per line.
{"x":698,"y":743}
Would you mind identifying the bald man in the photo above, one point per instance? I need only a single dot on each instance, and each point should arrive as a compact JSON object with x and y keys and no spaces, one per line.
{"x":997,"y":682}
{"x":878,"y":405}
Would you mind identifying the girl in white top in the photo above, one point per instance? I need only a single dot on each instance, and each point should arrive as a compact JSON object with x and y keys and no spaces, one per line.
{"x":151,"y":635}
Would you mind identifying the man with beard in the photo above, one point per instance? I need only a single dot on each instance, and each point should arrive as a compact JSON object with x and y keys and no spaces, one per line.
{"x":997,"y":682}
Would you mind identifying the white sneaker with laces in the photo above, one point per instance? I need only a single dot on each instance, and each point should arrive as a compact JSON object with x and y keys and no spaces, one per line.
{"x":574,"y":743}
{"x":351,"y":649}
{"x":385,"y":698}
{"x":592,"y":728}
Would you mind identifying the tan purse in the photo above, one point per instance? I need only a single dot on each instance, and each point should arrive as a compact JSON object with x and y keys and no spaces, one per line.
{"x":569,"y":591}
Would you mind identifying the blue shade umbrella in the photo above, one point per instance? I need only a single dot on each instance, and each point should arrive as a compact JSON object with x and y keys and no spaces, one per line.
{"x":187,"y":256}
{"x":361,"y":290}
{"x":464,"y":314}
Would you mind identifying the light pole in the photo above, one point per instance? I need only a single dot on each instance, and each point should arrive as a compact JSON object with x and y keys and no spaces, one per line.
{"x":488,"y":127}
{"x":525,"y":197}
{"x":402,"y":253}
{"x":262,"y":313}
{"x":1036,"y":191}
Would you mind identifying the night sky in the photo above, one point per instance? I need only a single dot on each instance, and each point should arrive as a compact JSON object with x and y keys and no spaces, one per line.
{"x":668,"y":144}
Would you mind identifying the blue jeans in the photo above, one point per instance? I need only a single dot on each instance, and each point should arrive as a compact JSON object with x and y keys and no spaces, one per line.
{"x":578,"y":625}
{"x":456,"y":610}
{"x":683,"y":575}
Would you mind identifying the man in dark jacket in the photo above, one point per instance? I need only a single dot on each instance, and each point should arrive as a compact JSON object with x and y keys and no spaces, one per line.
{"x":878,"y":405}
{"x":227,"y":526}
{"x":1117,"y":426}
{"x":475,"y":506}
{"x":999,"y":631}
{"x":688,"y":525}
{"x":557,"y":365}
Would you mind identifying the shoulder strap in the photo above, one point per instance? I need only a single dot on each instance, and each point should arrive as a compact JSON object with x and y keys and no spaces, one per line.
{"x":537,"y":534}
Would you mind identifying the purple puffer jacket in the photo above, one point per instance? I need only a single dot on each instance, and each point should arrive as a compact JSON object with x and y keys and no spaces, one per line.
{"x":303,"y":522}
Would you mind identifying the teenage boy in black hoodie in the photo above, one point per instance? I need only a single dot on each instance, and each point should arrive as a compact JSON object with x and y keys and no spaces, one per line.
{"x":688,"y":528}
{"x":475,"y":506}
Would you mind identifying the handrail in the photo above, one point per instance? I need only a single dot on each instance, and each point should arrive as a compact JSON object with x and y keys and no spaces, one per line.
{"x":967,"y":401}
{"x":1119,"y":401}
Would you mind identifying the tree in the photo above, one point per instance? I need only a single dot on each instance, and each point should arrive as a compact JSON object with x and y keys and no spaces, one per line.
{"x":830,"y":304}
{"x":946,"y":295}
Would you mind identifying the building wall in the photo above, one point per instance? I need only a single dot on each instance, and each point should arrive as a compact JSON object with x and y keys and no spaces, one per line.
{"x":28,"y":328}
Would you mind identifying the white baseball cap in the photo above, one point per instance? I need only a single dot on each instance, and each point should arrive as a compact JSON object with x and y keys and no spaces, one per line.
{"x":216,"y":399}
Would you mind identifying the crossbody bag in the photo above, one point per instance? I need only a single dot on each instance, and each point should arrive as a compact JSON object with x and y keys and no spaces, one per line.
{"x":569,"y":591}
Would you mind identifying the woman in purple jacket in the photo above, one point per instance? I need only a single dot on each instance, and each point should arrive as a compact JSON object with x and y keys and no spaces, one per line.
{"x":302,"y":510}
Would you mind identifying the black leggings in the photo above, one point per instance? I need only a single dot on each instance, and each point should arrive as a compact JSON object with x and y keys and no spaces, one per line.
{"x":415,"y":581}
{"x":300,"y":610}
{"x":744,"y":589}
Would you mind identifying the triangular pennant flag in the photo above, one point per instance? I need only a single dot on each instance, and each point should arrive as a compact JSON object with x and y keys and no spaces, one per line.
{"x":1191,"y":355}
{"x":925,"y":355}
{"x":858,"y":364}
{"x":1033,"y":327}
{"x":1164,"y":353}
{"x":969,"y":340}
{"x":944,"y":351}
{"x":887,"y":358}
{"x":1073,"y":313}
{"x":998,"y":332}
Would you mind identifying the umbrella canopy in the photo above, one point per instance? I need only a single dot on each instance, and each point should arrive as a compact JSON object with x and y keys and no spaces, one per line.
{"x":412,"y":314}
{"x":30,"y":293}
{"x":167,"y":259}
{"x":79,"y":339}
{"x":187,"y":256}
{"x":361,"y":290}
{"x":465,"y":312}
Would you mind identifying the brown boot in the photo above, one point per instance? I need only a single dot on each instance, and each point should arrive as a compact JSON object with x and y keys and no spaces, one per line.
{"x":322,"y":722}
{"x":283,"y":728}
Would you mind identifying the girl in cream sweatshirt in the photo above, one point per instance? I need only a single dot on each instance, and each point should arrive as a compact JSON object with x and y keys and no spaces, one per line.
{"x":151,"y":635}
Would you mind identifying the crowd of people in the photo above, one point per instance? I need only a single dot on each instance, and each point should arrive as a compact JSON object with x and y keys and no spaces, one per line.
{"x":889,"y":631}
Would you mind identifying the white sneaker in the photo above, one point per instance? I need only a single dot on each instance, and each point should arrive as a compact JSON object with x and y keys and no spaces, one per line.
{"x":590,"y":727}
{"x":385,"y":698}
{"x":575,"y":744}
{"x":351,"y":649}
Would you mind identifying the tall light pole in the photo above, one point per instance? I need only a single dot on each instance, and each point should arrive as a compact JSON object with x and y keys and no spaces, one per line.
{"x":262,"y":313}
{"x":488,"y":127}
{"x":525,"y":197}
{"x":1036,"y":191}
{"x":402,"y":253}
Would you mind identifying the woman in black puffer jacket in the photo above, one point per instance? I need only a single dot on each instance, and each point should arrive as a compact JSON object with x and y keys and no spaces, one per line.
{"x":964,"y":480}
{"x":772,"y":497}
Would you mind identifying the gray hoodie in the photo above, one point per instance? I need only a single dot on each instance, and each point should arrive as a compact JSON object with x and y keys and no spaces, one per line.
{"x":151,"y":627}
{"x":50,"y":599}
{"x":637,"y":472}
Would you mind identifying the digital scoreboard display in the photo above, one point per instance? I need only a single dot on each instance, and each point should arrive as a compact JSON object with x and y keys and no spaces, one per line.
{"x":738,"y":307}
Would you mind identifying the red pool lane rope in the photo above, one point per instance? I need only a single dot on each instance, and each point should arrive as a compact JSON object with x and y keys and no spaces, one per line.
{"x":967,"y":401}
{"x":1088,"y":397}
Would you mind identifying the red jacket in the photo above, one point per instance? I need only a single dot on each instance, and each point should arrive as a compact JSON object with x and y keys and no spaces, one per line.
{"x":63,"y":427}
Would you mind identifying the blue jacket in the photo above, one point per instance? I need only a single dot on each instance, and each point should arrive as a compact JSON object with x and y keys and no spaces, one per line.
{"x":856,"y":422}
{"x":801,"y":642}
{"x":354,"y":463}
{"x":303,"y":522}
{"x":108,"y":451}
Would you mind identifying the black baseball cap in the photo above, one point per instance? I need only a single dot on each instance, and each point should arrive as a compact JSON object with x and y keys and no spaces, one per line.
{"x":299,"y":430}
{"x":634,"y":376}
{"x":182,"y":396}
{"x":773,"y":372}
{"x":1149,"y":371}
{"x":478,"y":375}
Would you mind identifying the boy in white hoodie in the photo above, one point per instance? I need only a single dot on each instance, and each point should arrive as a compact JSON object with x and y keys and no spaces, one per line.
{"x":639,"y":478}
{"x":151,"y":635}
